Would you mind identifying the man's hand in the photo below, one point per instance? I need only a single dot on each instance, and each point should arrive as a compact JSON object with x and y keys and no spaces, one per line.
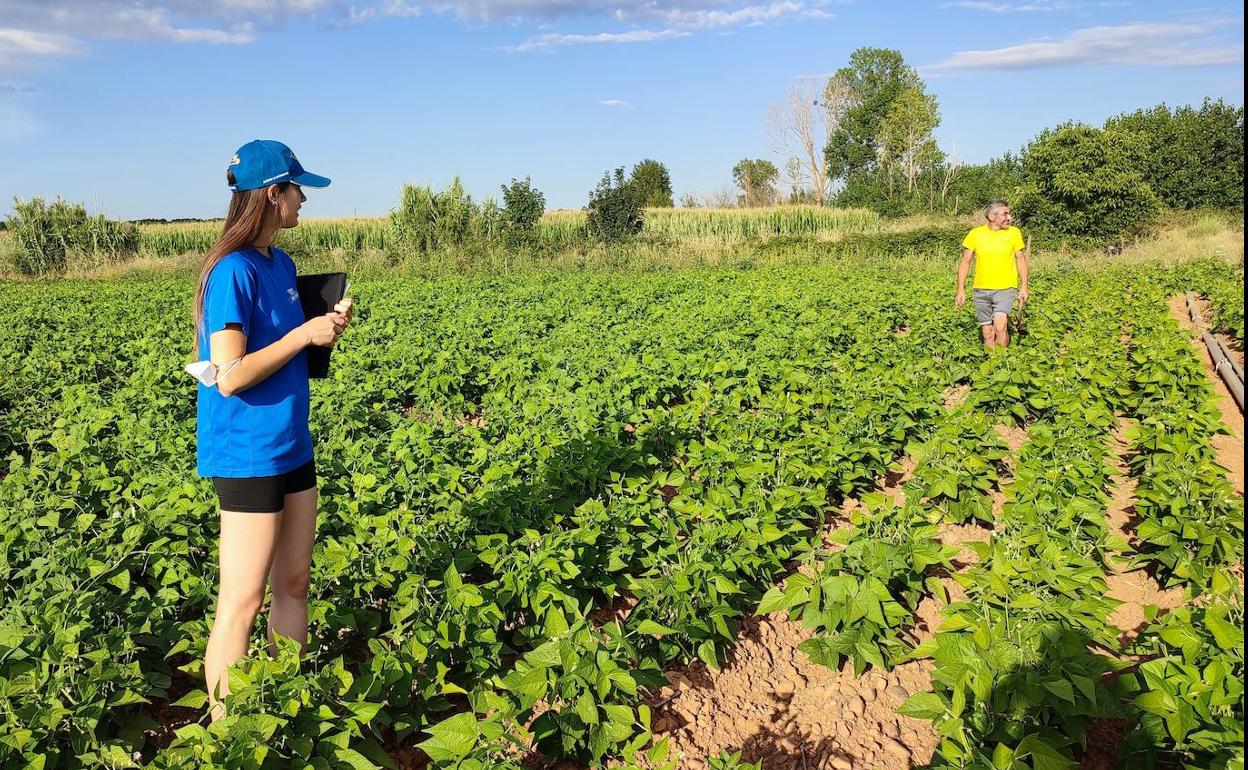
{"x":960,"y":299}
{"x":1023,"y":296}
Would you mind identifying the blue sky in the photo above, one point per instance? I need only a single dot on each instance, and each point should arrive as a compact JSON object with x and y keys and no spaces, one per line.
{"x":136,"y":107}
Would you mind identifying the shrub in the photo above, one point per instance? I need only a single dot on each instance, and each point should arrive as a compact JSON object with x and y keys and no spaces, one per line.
{"x":615,"y":212}
{"x":1084,"y":181}
{"x":523,"y":206}
{"x":653,"y":184}
{"x":48,"y":236}
{"x":1193,"y":157}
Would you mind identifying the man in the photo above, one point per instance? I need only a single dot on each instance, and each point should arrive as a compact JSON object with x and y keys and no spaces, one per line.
{"x":1000,"y":273}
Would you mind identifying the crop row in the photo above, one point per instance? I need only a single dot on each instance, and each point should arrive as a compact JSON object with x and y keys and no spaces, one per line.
{"x":1026,"y":656}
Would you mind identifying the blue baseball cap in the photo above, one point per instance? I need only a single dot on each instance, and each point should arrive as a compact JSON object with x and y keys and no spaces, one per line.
{"x":262,"y":162}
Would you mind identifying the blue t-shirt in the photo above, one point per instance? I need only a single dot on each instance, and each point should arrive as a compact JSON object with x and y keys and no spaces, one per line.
{"x":263,"y":430}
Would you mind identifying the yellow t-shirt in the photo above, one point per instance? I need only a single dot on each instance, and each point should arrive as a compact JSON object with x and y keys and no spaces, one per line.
{"x":994,"y":256}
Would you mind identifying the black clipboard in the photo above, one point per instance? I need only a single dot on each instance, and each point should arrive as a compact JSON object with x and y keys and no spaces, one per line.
{"x":318,"y":293}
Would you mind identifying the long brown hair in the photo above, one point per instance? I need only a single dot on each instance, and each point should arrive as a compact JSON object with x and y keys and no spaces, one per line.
{"x":246,"y":218}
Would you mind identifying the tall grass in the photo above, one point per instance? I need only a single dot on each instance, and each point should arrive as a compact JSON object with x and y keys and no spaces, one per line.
{"x":557,"y":229}
{"x":772,"y":221}
{"x":48,"y":237}
{"x":312,"y":235}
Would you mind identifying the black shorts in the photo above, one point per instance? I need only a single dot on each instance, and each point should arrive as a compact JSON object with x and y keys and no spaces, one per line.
{"x":263,"y":494}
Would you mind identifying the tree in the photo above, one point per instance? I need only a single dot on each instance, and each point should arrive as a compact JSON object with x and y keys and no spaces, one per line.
{"x":615,"y":212}
{"x":757,"y":178}
{"x":523,"y":206}
{"x":904,"y":143}
{"x":874,"y":79}
{"x":652,"y":184}
{"x":1084,"y":181}
{"x":800,"y":127}
{"x":1192,"y":157}
{"x":723,"y":197}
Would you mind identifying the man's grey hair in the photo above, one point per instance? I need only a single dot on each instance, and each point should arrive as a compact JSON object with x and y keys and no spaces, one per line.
{"x":993,"y":205}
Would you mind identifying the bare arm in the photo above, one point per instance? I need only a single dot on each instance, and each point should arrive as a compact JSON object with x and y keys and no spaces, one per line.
{"x":230,"y":343}
{"x":964,"y":269}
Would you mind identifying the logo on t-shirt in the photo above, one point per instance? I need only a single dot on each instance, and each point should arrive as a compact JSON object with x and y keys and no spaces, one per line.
{"x":294,"y":295}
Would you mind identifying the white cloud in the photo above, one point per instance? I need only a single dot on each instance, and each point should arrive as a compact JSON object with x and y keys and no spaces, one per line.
{"x":1156,"y":44}
{"x":20,"y":47}
{"x":994,"y":7}
{"x":680,"y":19}
{"x":552,"y":40}
{"x":615,"y":103}
{"x":23,"y":42}
{"x":750,"y":15}
{"x":46,"y":28}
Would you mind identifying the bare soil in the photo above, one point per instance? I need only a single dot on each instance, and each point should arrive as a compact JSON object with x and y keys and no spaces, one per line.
{"x":1230,"y":447}
{"x":772,"y":704}
{"x":1135,"y":588}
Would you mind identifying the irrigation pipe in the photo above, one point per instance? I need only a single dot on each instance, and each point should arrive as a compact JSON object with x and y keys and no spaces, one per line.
{"x":1191,"y":309}
{"x":1227,"y":352}
{"x":1227,"y":369}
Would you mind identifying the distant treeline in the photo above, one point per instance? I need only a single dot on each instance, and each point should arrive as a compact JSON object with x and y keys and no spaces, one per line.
{"x":178,"y":221}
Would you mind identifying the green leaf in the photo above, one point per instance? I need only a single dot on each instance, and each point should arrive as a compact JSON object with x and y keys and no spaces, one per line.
{"x":195,"y":699}
{"x":1061,"y":688}
{"x":775,"y":599}
{"x":706,"y":651}
{"x":923,"y":705}
{"x":651,"y":628}
{"x":451,"y":739}
{"x":1044,"y":756}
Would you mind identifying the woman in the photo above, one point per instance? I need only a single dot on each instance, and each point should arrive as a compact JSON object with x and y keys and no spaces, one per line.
{"x":254,"y":441}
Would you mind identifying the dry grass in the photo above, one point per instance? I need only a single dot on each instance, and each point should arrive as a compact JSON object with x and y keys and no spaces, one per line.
{"x":1206,"y":235}
{"x":1185,"y":236}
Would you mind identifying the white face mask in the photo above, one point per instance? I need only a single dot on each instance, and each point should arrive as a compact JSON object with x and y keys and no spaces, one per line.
{"x":209,"y":373}
{"x":204,"y":371}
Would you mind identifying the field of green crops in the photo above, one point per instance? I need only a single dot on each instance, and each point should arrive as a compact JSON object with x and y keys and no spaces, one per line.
{"x":502,"y":459}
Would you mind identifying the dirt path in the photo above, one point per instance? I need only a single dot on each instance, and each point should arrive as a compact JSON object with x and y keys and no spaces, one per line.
{"x":1205,"y":309}
{"x":1230,"y":448}
{"x":1135,"y":588}
{"x":772,"y":704}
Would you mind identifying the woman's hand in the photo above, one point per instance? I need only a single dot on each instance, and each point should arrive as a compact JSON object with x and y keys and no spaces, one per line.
{"x":323,"y":330}
{"x":345,"y":308}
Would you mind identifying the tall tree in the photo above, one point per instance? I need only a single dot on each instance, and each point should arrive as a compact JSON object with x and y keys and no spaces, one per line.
{"x":1086,"y":182}
{"x":905,"y":144}
{"x":874,"y":79}
{"x":757,"y":178}
{"x":652,"y":184}
{"x":800,"y":127}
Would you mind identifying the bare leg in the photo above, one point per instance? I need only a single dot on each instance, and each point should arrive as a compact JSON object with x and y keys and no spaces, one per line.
{"x":247,"y":544}
{"x":1001,"y":326}
{"x":990,"y":336}
{"x":288,"y":578}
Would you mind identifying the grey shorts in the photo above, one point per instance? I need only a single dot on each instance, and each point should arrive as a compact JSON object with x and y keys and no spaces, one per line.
{"x":989,"y":302}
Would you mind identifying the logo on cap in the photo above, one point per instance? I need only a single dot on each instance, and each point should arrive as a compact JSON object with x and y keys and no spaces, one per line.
{"x":234,"y":161}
